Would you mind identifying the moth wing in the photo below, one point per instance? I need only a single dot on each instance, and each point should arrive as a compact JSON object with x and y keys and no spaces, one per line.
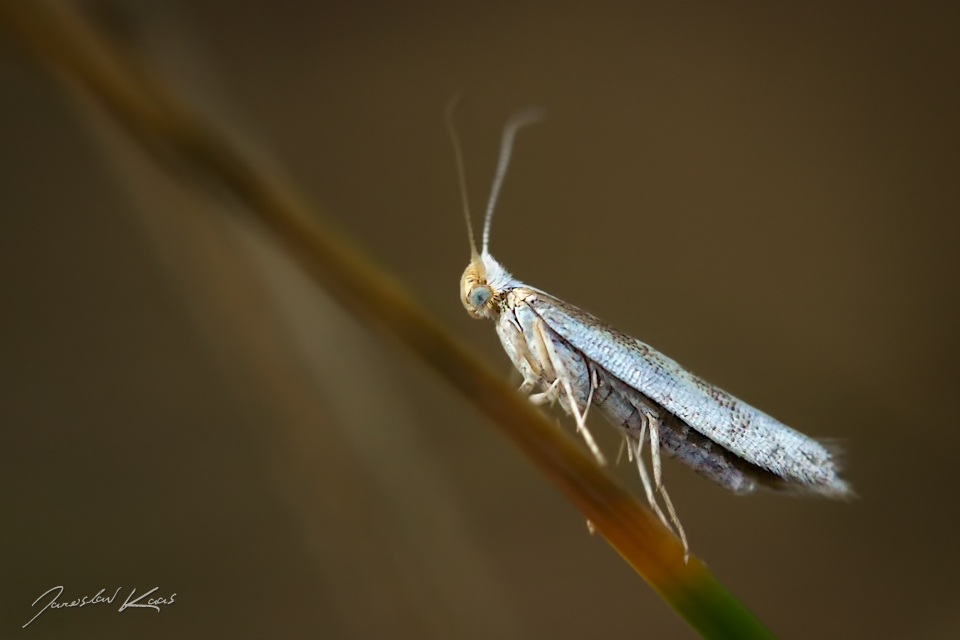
{"x":733,"y":424}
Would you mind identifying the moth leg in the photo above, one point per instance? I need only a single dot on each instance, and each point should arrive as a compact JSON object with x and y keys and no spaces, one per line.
{"x":654,"y":423}
{"x":594,"y":383}
{"x":540,"y":352}
{"x":550,"y":395}
{"x":582,"y":425}
{"x":650,"y":419}
{"x":520,"y":354}
{"x":676,"y":521}
{"x":563,"y":376}
{"x":622,"y":447}
{"x":645,"y":479}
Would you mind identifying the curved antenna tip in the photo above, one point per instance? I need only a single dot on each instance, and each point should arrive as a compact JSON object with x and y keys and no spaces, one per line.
{"x":517,"y":120}
{"x":530,"y":115}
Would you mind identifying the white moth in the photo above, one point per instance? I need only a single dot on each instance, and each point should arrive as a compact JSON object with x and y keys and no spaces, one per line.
{"x":571,"y":357}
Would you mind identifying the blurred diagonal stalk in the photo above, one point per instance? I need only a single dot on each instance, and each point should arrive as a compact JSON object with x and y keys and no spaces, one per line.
{"x":155,"y":114}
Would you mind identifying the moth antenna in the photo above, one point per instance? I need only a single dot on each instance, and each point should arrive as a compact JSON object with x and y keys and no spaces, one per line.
{"x":517,"y":120}
{"x":461,"y":172}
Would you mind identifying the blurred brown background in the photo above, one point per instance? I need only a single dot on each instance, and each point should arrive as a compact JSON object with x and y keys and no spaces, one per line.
{"x":768,"y":193}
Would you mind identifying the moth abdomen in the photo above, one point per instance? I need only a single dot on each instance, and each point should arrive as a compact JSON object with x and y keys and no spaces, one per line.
{"x":623,"y":405}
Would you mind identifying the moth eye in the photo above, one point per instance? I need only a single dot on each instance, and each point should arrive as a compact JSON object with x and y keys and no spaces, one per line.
{"x":479,"y":296}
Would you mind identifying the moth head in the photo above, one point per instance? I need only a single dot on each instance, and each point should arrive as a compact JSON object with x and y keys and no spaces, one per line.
{"x":477,"y":295}
{"x":477,"y":291}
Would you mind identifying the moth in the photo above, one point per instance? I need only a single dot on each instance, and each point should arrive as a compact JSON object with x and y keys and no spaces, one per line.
{"x":566,"y":355}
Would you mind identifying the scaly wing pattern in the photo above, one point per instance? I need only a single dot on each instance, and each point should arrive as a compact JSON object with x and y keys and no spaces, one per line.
{"x":733,"y":424}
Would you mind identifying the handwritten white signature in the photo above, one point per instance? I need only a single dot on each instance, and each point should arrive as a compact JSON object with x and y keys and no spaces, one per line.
{"x":152,"y":603}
